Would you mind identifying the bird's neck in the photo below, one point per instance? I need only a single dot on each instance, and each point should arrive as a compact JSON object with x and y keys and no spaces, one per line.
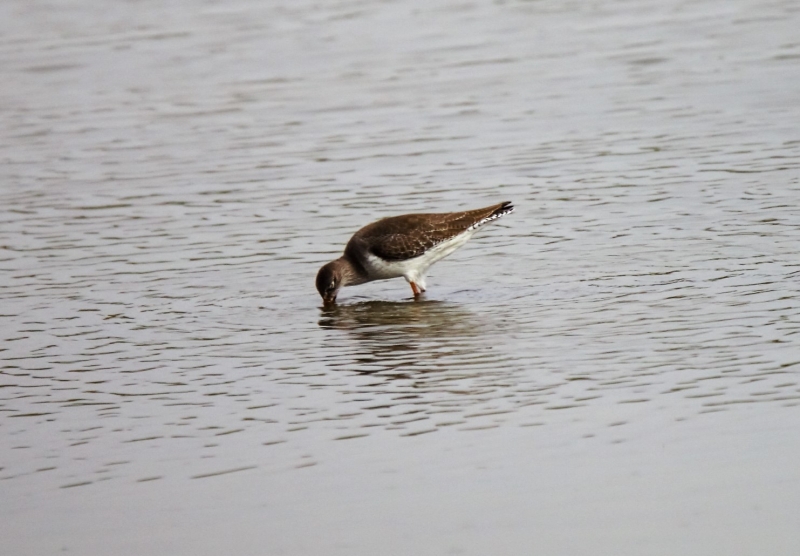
{"x":352,"y":273}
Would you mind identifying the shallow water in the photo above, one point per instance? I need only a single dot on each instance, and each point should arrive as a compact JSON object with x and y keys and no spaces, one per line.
{"x":612,"y":369}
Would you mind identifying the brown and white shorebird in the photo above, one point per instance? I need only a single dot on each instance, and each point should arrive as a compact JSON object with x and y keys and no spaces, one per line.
{"x":404,"y":246}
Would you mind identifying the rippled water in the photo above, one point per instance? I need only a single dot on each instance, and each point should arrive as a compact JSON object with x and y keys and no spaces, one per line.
{"x":612,"y":369}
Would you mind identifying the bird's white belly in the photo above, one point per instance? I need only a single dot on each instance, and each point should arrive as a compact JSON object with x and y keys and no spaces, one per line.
{"x":380,"y":269}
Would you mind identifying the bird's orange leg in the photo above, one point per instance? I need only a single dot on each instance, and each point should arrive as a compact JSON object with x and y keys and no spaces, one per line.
{"x":414,"y":288}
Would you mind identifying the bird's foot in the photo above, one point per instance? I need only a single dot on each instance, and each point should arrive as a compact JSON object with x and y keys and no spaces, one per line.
{"x":418,"y":291}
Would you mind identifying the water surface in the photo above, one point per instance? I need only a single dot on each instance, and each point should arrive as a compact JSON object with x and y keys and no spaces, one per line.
{"x":612,"y":369}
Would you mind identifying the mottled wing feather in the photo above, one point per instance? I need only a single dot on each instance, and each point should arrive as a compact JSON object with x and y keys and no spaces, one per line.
{"x":406,"y":237}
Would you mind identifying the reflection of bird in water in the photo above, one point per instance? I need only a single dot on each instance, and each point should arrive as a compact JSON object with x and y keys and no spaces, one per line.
{"x":405,"y":246}
{"x":429,"y":364}
{"x":411,"y":337}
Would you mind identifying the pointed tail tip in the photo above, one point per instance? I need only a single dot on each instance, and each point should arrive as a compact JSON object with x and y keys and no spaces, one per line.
{"x":504,"y":208}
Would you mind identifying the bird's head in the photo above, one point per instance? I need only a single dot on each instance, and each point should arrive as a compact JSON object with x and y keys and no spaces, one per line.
{"x":330,"y":279}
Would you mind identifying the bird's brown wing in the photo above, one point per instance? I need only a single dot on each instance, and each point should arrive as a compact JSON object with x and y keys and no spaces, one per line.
{"x":405,"y":237}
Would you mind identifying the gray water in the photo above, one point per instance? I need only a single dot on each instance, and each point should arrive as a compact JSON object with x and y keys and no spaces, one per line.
{"x":612,"y":369}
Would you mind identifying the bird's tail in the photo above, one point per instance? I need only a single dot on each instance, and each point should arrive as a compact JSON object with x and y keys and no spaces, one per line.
{"x":502,"y":209}
{"x":486,"y":215}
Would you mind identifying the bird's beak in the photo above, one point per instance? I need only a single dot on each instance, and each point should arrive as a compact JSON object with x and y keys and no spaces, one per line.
{"x":329,"y":300}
